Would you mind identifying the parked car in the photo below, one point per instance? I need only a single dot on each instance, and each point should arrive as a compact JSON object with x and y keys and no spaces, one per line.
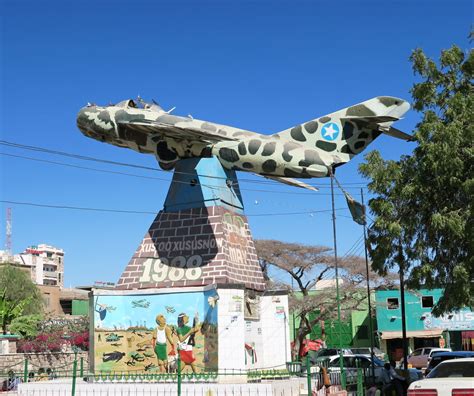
{"x":325,"y":352}
{"x":451,"y":377}
{"x":419,"y":357}
{"x":350,"y":363}
{"x":438,"y":357}
{"x":366,"y":352}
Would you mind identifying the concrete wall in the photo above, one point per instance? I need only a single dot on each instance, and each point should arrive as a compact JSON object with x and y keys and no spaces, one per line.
{"x":275,"y":331}
{"x":231,"y":330}
{"x":269,"y":336}
{"x":51,"y":296}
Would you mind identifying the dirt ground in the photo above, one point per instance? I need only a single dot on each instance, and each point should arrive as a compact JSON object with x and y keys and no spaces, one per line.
{"x":132,"y":350}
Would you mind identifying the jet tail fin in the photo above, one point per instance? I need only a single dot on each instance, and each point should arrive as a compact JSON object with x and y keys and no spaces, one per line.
{"x":345,"y":133}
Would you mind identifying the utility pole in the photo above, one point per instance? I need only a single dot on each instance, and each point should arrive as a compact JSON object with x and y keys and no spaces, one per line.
{"x":341,"y":357}
{"x":402,"y":302}
{"x":371,"y":330}
{"x":294,"y":326}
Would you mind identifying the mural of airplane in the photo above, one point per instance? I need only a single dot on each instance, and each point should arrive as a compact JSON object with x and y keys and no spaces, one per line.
{"x":140,"y":303}
{"x":311,"y":149}
{"x":170,"y":309}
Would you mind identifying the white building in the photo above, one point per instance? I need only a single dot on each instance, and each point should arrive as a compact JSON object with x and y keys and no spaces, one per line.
{"x":45,"y":264}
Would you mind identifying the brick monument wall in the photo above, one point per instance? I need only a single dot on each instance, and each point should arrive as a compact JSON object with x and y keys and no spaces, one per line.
{"x":195,"y":247}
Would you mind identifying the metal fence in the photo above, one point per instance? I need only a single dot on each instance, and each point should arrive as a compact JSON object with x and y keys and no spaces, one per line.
{"x":296,"y":380}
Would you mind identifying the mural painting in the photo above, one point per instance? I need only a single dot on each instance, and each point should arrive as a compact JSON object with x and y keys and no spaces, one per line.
{"x":145,"y":333}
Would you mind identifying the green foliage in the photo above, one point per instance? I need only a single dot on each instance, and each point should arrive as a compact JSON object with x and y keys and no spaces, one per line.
{"x":20,"y":296}
{"x":69,"y":325}
{"x":10,"y":310}
{"x":423,"y":202}
{"x":26,"y":325}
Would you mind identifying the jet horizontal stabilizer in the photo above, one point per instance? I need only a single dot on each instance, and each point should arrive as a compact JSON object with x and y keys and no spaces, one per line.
{"x":371,"y":119}
{"x":396,"y":133}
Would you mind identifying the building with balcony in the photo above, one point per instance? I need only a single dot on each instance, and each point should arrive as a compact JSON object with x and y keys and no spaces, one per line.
{"x":44,"y":263}
{"x":45,"y":266}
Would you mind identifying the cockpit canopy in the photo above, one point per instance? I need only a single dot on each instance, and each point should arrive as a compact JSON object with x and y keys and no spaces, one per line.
{"x":139,"y":104}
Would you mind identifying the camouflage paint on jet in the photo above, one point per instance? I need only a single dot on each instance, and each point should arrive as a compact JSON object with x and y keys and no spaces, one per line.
{"x":311,"y":149}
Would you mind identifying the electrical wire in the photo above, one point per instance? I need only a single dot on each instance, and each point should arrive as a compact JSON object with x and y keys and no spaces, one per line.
{"x":88,"y":158}
{"x":152,"y":177}
{"x":155,"y":213}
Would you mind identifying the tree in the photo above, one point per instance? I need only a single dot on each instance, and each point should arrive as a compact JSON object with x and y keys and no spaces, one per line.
{"x":19,"y":295}
{"x":26,"y":325}
{"x":306,"y":265}
{"x":423,"y":202}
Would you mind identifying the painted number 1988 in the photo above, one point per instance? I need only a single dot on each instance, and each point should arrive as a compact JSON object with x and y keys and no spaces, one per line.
{"x":159,"y":269}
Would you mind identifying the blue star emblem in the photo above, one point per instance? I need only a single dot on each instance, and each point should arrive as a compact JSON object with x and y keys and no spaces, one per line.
{"x":330,"y":131}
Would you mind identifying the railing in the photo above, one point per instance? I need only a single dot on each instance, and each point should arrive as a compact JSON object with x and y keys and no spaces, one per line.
{"x":65,"y":378}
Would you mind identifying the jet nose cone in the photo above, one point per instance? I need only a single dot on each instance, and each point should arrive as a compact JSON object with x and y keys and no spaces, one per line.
{"x":95,"y":122}
{"x":82,"y":119}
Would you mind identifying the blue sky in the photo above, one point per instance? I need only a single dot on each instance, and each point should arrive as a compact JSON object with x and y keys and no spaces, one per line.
{"x":262,"y":66}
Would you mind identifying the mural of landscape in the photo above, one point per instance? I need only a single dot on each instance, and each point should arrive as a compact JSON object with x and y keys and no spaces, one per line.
{"x":145,"y":333}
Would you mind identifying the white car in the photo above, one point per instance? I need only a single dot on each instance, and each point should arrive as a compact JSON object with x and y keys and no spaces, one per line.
{"x":420,"y":357}
{"x":366,"y":352}
{"x":449,"y":378}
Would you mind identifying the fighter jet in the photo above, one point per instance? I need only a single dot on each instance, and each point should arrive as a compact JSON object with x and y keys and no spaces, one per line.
{"x":311,"y":149}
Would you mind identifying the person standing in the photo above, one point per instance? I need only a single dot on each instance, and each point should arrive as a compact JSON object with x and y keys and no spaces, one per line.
{"x":392,"y":381}
{"x":161,"y":334}
{"x":185,"y":346}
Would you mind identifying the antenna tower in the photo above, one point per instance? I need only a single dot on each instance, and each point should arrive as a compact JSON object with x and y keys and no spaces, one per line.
{"x":8,"y":239}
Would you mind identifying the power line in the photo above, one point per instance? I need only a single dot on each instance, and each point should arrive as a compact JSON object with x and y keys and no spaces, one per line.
{"x":117,"y":163}
{"x":151,"y":177}
{"x":155,"y":213}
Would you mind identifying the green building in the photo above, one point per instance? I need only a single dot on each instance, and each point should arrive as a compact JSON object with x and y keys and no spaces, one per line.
{"x":354,"y":329}
{"x":454,"y":330}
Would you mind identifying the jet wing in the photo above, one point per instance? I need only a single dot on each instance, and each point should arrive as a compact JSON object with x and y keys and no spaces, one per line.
{"x":179,"y":132}
{"x":291,"y":182}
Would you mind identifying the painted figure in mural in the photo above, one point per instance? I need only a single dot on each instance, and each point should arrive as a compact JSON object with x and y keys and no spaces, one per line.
{"x":102,"y":310}
{"x":161,"y":335}
{"x":186,"y":336}
{"x":311,"y":149}
{"x":112,"y":356}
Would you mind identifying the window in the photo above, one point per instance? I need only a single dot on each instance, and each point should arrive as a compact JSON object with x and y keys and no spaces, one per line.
{"x":66,"y":305}
{"x":427,"y":301}
{"x":417,"y":352}
{"x":453,"y":369}
{"x":392,"y":303}
{"x":363,"y":362}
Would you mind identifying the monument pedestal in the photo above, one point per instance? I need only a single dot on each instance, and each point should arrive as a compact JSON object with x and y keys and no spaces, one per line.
{"x":201,"y":236}
{"x":195,"y":272}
